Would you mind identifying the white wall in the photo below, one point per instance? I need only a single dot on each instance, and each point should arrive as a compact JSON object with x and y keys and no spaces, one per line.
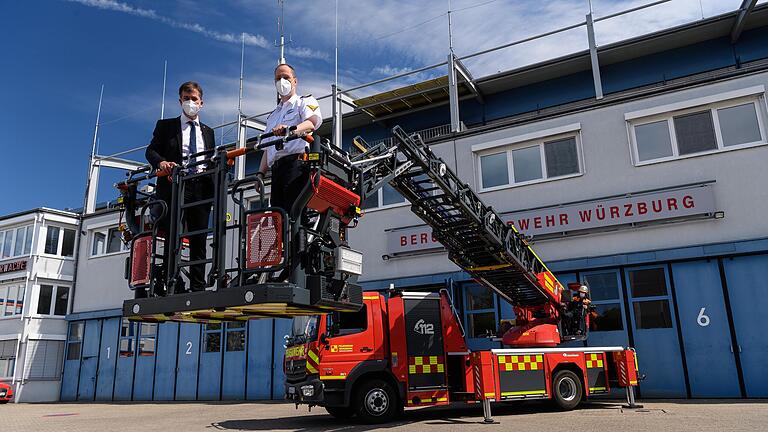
{"x":739,"y":190}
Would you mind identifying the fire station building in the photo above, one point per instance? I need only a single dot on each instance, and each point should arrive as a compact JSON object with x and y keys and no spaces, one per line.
{"x":653,"y":195}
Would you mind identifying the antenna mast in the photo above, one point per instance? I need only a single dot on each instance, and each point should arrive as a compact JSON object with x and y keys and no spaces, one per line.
{"x":162,"y":104}
{"x":281,"y":30}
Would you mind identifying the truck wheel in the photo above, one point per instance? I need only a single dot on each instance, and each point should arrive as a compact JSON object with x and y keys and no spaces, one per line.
{"x":376,"y":402}
{"x":567,"y":390}
{"x":341,"y":412}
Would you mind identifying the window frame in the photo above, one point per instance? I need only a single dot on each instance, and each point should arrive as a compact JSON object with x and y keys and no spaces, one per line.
{"x":105,"y":231}
{"x":10,"y":359}
{"x":758,"y":101}
{"x":14,"y":232}
{"x":468,"y":312}
{"x":380,"y":202}
{"x":60,"y":244}
{"x":19,"y":294}
{"x":539,"y":141}
{"x":37,"y":289}
{"x":667,"y":297}
{"x":619,"y":300}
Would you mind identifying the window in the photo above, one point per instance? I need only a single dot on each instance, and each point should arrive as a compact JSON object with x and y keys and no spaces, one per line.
{"x":107,"y":241}
{"x":53,"y":300}
{"x":75,"y":340}
{"x":7,"y":357}
{"x":235,"y":336}
{"x":147,"y":339}
{"x":531,"y":161}
{"x":15,"y":242}
{"x":344,"y":323}
{"x":384,"y":197}
{"x":127,"y":338}
{"x":712,"y":127}
{"x":59,"y":241}
{"x":43,"y":360}
{"x":11,"y":300}
{"x":212,"y":337}
{"x":605,"y":295}
{"x":480,"y":310}
{"x":650,"y":298}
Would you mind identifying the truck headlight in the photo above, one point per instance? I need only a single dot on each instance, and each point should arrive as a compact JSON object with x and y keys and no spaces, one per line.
{"x":308,"y":390}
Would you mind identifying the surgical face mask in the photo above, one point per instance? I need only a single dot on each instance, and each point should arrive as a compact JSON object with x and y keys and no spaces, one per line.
{"x":283,"y":87}
{"x":191,"y":108}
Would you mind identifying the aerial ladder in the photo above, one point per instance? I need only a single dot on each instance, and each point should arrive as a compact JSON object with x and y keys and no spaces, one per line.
{"x":308,"y":246}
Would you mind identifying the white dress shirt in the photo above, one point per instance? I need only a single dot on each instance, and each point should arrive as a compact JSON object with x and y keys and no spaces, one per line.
{"x":291,"y":113}
{"x":200,"y":144}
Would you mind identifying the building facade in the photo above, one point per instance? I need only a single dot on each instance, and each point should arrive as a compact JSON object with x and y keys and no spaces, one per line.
{"x":653,"y":195}
{"x":36,"y":285}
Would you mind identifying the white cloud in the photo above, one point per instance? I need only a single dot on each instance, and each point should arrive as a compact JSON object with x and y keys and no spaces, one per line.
{"x":389,"y":70}
{"x":113,"y":5}
{"x":307,"y":53}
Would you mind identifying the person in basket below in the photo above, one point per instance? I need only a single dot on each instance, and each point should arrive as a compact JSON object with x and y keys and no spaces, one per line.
{"x":575,"y":312}
{"x":303,"y":112}
{"x":173,"y":141}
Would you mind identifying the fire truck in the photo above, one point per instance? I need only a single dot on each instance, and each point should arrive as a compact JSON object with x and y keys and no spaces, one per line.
{"x":357,"y":353}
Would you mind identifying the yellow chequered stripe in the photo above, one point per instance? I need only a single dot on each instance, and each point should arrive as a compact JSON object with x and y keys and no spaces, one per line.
{"x":521,"y":362}
{"x":425,"y":364}
{"x":594,"y":361}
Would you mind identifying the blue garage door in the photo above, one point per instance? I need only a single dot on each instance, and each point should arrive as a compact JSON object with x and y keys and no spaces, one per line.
{"x":125,"y":360}
{"x":259,"y":359}
{"x":69,"y":379}
{"x":233,"y":377}
{"x":89,"y":361}
{"x":655,"y":332}
{"x":748,"y":292}
{"x":209,"y":379}
{"x":188,"y":361}
{"x":105,"y":381}
{"x":165,"y":365}
{"x":706,"y":335}
{"x":282,"y":329}
{"x":608,"y":323}
{"x":144,"y":375}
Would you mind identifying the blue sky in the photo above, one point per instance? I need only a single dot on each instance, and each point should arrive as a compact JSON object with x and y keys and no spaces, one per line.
{"x":57,"y":53}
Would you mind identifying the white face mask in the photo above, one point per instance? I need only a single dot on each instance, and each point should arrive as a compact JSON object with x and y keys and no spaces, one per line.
{"x":191,"y":108}
{"x":283,"y":87}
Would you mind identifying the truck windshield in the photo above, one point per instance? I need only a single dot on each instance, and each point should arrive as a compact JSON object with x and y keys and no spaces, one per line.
{"x":304,"y":329}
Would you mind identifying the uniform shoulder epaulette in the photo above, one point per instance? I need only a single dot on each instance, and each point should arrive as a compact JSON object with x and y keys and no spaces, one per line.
{"x":306,"y":95}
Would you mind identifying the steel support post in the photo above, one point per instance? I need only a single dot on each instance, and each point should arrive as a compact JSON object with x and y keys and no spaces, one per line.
{"x":453,"y":94}
{"x":593,"y":57}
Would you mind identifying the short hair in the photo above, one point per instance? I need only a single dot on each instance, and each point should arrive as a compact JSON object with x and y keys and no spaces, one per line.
{"x":293,"y":71}
{"x":189,"y":86}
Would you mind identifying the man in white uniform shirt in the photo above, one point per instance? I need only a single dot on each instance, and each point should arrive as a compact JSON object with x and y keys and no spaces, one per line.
{"x":173,"y":141}
{"x":292,"y":110}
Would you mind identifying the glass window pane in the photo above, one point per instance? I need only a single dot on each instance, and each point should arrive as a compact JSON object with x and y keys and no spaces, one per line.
{"x":8,"y":244}
{"x":371,"y":202}
{"x":351,"y":322}
{"x":73,"y":351}
{"x":62,"y":300}
{"x":695,"y":132}
{"x":602,"y":286}
{"x":236,"y":338}
{"x":68,"y":244}
{"x":526,"y":164}
{"x":494,"y":169}
{"x":10,"y":301}
{"x":480,"y":324}
{"x":738,"y":124}
{"x":28,"y":241}
{"x":18,"y":248}
{"x":97,"y":248}
{"x":2,"y":239}
{"x":44,"y":301}
{"x":390,"y":195}
{"x":212,"y":326}
{"x":606,"y":317}
{"x":3,"y":296}
{"x":52,"y":240}
{"x":561,"y":157}
{"x":478,"y":297}
{"x":653,"y":140}
{"x":648,"y":282}
{"x":212,"y":342}
{"x":115,"y":241}
{"x":20,"y":300}
{"x":652,"y":314}
{"x":147,"y":339}
{"x":126,"y":347}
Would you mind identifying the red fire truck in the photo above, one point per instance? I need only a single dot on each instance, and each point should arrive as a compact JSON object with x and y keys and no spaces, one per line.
{"x":408,"y":349}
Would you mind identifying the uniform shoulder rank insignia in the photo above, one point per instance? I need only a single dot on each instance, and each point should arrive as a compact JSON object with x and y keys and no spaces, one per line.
{"x":313,"y":107}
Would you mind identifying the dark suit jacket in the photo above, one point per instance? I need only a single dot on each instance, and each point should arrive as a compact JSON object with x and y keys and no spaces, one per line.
{"x":166,"y":146}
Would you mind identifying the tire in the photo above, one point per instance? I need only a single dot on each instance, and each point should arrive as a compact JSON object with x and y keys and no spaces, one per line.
{"x":341,"y":412}
{"x":376,"y":402}
{"x":4,"y":402}
{"x":567,"y":390}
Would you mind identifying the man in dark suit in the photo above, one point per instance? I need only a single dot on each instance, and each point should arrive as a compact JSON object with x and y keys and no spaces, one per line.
{"x":173,"y":141}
